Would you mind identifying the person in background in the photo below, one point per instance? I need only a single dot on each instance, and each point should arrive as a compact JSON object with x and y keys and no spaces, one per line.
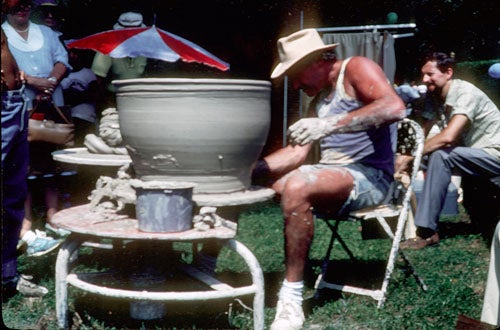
{"x":15,"y":159}
{"x":354,"y":106}
{"x":468,"y":144}
{"x":80,"y":92}
{"x":49,"y":13}
{"x":108,"y":69}
{"x":40,"y":54}
{"x":409,"y":95}
{"x":491,"y":305}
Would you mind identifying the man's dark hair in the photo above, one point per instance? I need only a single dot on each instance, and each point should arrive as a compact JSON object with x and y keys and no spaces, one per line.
{"x":443,"y":61}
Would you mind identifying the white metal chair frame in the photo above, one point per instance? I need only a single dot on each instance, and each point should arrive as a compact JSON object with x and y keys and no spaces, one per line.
{"x":410,"y":142}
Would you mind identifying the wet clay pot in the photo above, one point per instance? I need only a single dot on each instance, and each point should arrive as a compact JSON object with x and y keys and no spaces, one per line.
{"x":205,"y":131}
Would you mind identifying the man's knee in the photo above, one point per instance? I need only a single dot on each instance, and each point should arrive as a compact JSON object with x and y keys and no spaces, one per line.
{"x":439,"y":156}
{"x":444,"y":160}
{"x":294,"y":195}
{"x":295,"y":185}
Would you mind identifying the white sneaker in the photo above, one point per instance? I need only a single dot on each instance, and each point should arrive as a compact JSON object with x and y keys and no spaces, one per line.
{"x":29,"y":289}
{"x":41,"y":245}
{"x":289,"y":316}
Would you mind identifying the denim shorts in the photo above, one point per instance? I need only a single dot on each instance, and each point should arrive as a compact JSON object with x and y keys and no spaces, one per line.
{"x":371,"y":185}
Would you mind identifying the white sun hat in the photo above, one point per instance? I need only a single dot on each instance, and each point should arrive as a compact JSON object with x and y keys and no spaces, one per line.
{"x":297,"y":46}
{"x":128,"y":20}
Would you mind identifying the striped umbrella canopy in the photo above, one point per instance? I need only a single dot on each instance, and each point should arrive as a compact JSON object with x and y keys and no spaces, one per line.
{"x":150,"y":42}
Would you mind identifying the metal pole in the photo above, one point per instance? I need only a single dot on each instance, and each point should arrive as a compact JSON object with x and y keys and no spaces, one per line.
{"x":300,"y":92}
{"x":368,"y":27}
{"x":285,"y":109}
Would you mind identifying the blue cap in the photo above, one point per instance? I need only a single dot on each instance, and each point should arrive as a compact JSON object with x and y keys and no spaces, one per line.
{"x":494,"y":71}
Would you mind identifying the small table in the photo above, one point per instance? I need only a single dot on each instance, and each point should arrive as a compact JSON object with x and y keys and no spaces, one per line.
{"x":85,"y":224}
{"x":81,"y":156}
{"x":89,"y":167}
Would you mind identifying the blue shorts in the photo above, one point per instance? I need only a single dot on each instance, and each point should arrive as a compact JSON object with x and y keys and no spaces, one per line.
{"x":371,"y":185}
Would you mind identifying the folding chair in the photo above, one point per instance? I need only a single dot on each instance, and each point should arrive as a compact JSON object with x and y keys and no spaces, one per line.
{"x":410,"y":141}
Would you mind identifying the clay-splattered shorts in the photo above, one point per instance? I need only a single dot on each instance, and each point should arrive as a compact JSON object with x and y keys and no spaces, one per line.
{"x":370,"y":184}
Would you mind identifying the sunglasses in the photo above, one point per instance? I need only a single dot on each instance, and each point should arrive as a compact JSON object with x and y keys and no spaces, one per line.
{"x":20,"y":7}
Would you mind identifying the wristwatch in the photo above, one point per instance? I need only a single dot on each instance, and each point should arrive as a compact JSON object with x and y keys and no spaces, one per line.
{"x":53,"y":79}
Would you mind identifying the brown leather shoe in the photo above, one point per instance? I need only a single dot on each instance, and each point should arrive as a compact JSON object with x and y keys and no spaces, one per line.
{"x":418,"y":242}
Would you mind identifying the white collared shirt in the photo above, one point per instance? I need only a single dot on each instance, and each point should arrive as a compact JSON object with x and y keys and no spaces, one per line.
{"x":37,"y":55}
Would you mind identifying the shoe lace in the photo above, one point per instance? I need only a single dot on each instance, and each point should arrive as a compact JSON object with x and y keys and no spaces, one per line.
{"x":41,"y":234}
{"x":26,"y":277}
{"x":27,"y":288}
{"x":24,"y":280}
{"x":286,"y":311}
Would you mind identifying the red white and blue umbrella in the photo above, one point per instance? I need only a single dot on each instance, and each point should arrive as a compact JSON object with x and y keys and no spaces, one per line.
{"x":150,"y":42}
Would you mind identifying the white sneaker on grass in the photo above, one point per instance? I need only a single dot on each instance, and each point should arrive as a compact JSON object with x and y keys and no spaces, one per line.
{"x":29,"y":289}
{"x":41,"y":245}
{"x":289,"y":316}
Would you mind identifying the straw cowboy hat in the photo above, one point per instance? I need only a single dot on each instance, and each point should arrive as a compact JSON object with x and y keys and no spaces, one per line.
{"x":296,"y":47}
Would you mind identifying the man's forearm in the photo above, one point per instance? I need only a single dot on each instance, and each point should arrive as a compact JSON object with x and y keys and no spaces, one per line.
{"x":449,"y":136}
{"x":58,"y":72}
{"x":436,"y":142}
{"x":287,"y":159}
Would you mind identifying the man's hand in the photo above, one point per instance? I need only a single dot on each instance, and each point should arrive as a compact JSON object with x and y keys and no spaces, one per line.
{"x":307,"y":130}
{"x":43,"y":85}
{"x":402,"y":165}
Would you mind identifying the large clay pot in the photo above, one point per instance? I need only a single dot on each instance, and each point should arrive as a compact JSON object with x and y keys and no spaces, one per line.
{"x":205,"y":131}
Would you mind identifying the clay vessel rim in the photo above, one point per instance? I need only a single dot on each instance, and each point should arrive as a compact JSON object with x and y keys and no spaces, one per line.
{"x":193,"y":81}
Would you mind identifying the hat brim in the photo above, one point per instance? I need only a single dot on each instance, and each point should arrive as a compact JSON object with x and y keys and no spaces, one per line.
{"x":118,"y":26}
{"x":282,"y":68}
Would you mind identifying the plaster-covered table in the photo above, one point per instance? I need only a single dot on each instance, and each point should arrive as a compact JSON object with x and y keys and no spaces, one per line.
{"x":89,"y":167}
{"x":86,"y":224}
{"x":81,"y":156}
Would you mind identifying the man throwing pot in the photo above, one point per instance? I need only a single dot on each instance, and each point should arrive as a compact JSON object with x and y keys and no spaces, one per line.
{"x":354,"y":104}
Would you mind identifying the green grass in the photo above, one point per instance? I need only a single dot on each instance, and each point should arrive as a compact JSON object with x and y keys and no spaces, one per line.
{"x":455,"y":273}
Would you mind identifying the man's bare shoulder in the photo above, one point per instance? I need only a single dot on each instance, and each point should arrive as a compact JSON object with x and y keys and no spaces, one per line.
{"x":361,"y":63}
{"x":356,"y":60}
{"x":364,"y":72}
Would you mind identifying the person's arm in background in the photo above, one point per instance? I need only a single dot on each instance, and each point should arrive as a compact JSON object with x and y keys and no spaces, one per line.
{"x":47,"y":85}
{"x":12,"y":77}
{"x":101,"y":65}
{"x":449,"y":136}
